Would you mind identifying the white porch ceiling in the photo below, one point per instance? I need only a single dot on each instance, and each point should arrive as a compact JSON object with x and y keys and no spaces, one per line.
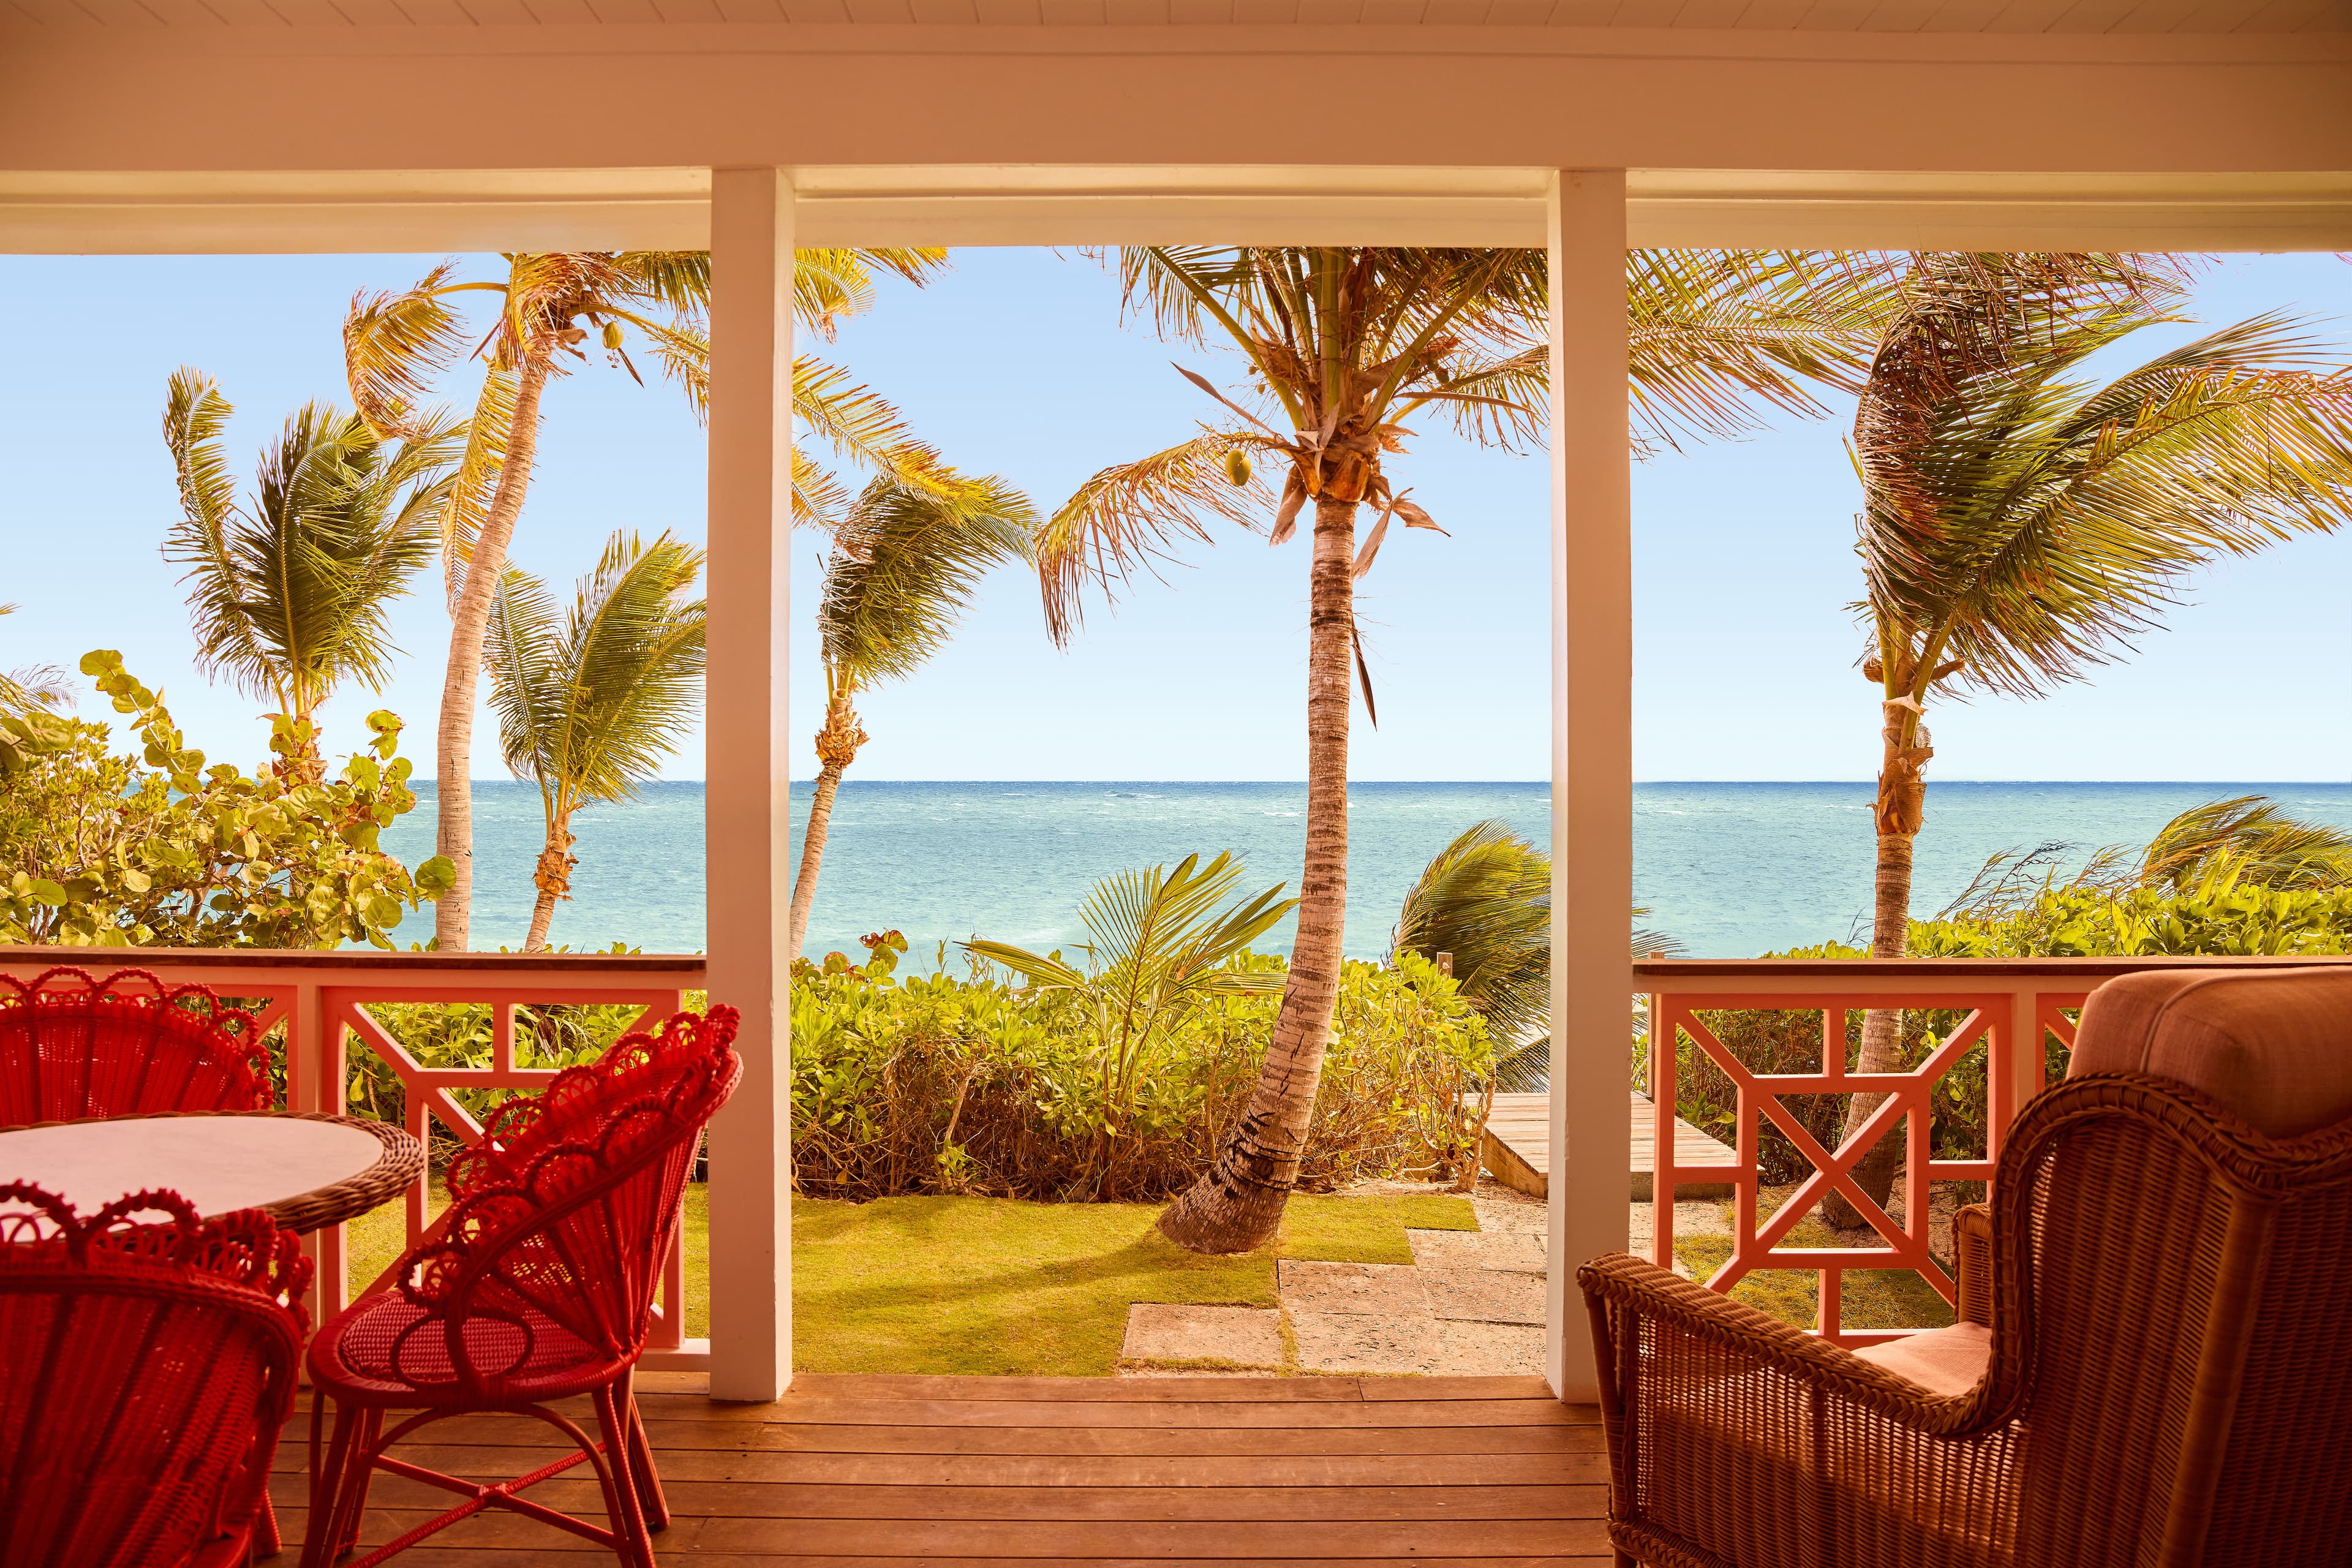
{"x":1986,"y":16}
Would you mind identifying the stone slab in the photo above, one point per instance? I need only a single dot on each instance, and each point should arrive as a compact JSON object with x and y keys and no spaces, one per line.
{"x":1484,"y":1295}
{"x":1490,"y":1350}
{"x":1246,"y":1336}
{"x":1389,"y":1288}
{"x":1366,"y":1342}
{"x":1521,"y":1251}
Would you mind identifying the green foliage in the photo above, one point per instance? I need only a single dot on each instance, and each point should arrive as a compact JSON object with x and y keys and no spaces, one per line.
{"x":2059,"y":922}
{"x":161,"y":849}
{"x":1486,"y":899}
{"x":936,"y":1084}
{"x":289,"y":592}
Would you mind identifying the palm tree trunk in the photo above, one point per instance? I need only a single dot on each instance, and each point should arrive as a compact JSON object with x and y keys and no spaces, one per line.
{"x":1238,"y":1204}
{"x":453,"y":768}
{"x":837,"y":748}
{"x":553,"y":876}
{"x":1902,"y":797}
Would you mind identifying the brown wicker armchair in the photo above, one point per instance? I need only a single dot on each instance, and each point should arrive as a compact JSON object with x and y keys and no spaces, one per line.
{"x":2154,"y":1364}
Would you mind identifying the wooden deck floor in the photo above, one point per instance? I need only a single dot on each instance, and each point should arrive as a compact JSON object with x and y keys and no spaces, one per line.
{"x":1518,"y":1147}
{"x":948,"y":1471}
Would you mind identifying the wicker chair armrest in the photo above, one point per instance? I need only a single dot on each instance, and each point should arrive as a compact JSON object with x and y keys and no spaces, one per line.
{"x":1972,"y":1239}
{"x":1621,"y":1290}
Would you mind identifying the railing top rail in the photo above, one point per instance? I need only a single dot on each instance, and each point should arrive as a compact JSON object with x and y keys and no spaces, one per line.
{"x":365,"y":961}
{"x":1668,"y":973}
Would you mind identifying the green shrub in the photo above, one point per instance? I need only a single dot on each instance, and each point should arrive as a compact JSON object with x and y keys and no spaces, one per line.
{"x":936,"y":1084}
{"x":2060,"y":923}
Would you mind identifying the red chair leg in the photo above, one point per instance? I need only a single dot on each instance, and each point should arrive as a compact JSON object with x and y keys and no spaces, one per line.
{"x":641,"y":1461}
{"x":267,"y":1542}
{"x":329,"y":1478}
{"x":366,"y":1442}
{"x":622,"y":1498}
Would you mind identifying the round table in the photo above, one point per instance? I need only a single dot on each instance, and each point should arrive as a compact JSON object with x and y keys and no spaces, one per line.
{"x":306,"y":1170}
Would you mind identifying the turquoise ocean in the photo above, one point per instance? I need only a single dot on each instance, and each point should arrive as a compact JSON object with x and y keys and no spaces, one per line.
{"x":1731,"y":870}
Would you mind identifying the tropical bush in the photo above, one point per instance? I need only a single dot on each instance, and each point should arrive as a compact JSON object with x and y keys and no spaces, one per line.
{"x":163,"y":849}
{"x":948,"y":1084}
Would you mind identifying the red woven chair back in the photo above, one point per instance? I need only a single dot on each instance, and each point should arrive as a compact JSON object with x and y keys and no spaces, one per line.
{"x":567,"y":1208}
{"x":145,"y":1370}
{"x":72,"y":1046}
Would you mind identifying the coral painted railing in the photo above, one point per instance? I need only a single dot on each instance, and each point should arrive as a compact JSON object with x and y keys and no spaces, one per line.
{"x":319,"y":1002}
{"x":2010,"y":1005}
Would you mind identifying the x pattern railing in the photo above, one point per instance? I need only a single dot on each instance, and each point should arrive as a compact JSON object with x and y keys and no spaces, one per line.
{"x":1988,"y":1020}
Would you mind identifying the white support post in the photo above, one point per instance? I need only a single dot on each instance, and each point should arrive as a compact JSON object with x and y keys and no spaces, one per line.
{"x":747,"y":798}
{"x":1591,"y":756}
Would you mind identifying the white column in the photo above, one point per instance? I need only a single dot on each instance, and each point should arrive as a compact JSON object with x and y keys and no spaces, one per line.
{"x":1591,"y":755}
{"x":747,"y":798}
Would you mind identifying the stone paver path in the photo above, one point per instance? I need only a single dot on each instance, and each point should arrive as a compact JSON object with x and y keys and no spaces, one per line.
{"x":1470,"y":1303}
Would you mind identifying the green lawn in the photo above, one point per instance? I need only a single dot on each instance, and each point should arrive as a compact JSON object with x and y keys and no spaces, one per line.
{"x":1872,"y":1298}
{"x":989,"y":1285}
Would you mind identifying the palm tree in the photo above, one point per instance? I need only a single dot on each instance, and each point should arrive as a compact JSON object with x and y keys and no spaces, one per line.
{"x":2248,"y":841}
{"x":2020,"y":526}
{"x":1485,"y":900}
{"x":290,"y":592}
{"x":904,"y":565}
{"x":1342,"y":346}
{"x":588,"y":707}
{"x":395,"y":344}
{"x":1162,"y":947}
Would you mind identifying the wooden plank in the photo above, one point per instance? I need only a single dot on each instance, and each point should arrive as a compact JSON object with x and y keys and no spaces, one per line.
{"x":578,"y":1493}
{"x":818,"y":1410}
{"x":1037,"y":1470}
{"x":1449,"y":1472}
{"x":1142,"y":1440}
{"x":1517,"y":1147}
{"x":1530,"y":1387}
{"x":1094,"y":1390}
{"x":1237,"y":1541}
{"x":430,"y":1556}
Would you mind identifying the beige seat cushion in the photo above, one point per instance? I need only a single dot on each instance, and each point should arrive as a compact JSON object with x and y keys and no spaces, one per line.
{"x":1942,"y":1361}
{"x":2275,"y":1045}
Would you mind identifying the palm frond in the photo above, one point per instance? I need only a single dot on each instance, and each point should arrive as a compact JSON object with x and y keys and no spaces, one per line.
{"x":2030,"y":526}
{"x":592,"y":711}
{"x":521,"y":648}
{"x":677,"y":281}
{"x":1485,"y":897}
{"x":857,"y":423}
{"x":289,"y":596}
{"x":2246,"y":841}
{"x":394,"y":344}
{"x":829,"y":284}
{"x":903,"y":566}
{"x":466,"y":502}
{"x":1131,"y":514}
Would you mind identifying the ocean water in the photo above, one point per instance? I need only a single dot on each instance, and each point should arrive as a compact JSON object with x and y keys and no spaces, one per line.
{"x":1731,"y":870}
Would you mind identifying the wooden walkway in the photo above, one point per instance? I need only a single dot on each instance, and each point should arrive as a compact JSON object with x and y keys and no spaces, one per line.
{"x":1517,"y":1147}
{"x":959,"y":1471}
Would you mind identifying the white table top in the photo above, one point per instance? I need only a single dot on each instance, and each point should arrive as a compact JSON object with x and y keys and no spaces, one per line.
{"x":219,"y":1163}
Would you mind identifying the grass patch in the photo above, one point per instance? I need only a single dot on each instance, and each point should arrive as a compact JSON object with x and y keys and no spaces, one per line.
{"x":1367,"y":1229}
{"x":1872,"y":1298}
{"x":991,"y":1285}
{"x":996,"y":1286}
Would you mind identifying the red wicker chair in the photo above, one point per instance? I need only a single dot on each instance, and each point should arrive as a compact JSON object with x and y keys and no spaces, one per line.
{"x":538,"y":1286}
{"x":145,"y":1371}
{"x":72,"y":1046}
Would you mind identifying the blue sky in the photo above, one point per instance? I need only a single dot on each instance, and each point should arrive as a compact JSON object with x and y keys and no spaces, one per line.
{"x":1018,"y":362}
